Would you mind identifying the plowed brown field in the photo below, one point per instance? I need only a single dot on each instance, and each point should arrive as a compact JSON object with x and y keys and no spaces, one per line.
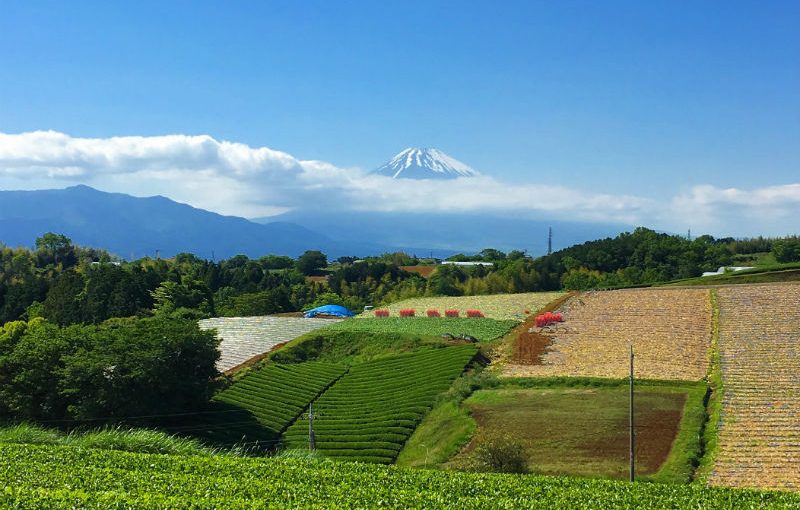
{"x":759,"y":342}
{"x":670,"y":330}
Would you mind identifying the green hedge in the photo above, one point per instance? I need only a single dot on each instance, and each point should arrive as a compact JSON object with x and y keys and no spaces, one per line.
{"x":374,"y":408}
{"x":277,"y":394}
{"x":35,"y":477}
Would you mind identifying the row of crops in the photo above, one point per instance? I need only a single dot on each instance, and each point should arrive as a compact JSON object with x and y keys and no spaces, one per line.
{"x":759,"y":435}
{"x":670,"y":330}
{"x":33,"y":477}
{"x":480,"y":328}
{"x":277,"y":394}
{"x":370,"y":412}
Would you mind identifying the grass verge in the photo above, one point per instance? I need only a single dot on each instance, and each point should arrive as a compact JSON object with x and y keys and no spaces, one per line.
{"x":447,"y":427}
{"x":115,"y":438}
{"x":710,"y":440}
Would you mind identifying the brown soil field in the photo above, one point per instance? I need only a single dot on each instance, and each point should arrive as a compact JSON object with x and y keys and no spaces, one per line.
{"x":317,"y":279}
{"x":423,"y":271}
{"x":759,"y":344}
{"x":577,"y":431}
{"x":670,"y":330}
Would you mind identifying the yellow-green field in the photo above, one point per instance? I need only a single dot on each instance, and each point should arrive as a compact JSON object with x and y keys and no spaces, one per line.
{"x":496,"y":306}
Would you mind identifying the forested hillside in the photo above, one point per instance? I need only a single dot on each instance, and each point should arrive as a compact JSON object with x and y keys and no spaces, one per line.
{"x":67,"y":284}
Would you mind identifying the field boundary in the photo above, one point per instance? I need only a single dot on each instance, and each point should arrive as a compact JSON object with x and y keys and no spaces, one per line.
{"x":714,"y":396}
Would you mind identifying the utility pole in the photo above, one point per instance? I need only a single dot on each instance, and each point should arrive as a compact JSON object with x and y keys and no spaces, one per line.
{"x":312,"y":442}
{"x":632,"y":433}
{"x":550,"y":240}
{"x":157,"y":254}
{"x":689,"y":235}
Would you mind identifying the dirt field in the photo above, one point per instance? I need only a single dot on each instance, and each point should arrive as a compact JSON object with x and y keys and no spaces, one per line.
{"x":423,"y":271}
{"x":575,"y":431}
{"x":670,"y":330}
{"x":759,"y":435}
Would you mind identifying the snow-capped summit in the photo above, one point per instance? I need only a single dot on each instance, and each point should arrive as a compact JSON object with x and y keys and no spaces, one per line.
{"x":416,"y":163}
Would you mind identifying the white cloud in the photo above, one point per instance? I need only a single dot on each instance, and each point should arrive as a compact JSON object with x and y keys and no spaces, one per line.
{"x":771,"y":210}
{"x":236,"y":179}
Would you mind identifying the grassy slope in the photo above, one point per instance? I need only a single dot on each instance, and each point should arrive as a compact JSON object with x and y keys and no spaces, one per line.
{"x":714,"y":399}
{"x":774,"y":273}
{"x":441,"y":434}
{"x":447,"y":427}
{"x":352,"y":346}
{"x":129,"y":440}
{"x":34,"y":477}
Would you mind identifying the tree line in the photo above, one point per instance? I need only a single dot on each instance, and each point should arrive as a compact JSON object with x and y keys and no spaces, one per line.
{"x":67,"y":284}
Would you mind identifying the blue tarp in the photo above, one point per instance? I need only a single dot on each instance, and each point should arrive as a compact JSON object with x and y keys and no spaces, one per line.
{"x":336,"y":310}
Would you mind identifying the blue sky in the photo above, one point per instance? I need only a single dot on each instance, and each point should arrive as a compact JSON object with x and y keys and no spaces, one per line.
{"x":647,"y":99}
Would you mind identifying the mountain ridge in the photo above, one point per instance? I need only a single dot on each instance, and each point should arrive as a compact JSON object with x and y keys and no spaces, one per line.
{"x":140,"y":226}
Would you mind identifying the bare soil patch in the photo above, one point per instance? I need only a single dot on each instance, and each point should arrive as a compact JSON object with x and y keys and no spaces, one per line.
{"x":423,"y":271}
{"x":578,"y":431}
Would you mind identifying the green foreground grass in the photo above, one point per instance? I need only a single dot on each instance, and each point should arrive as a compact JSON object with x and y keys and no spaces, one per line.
{"x":115,"y":438}
{"x":59,"y":477}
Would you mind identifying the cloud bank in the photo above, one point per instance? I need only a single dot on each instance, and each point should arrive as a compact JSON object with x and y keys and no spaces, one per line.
{"x":236,"y":179}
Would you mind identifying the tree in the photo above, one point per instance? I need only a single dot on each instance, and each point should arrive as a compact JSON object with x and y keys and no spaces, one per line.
{"x":103,"y":374}
{"x":55,"y":249}
{"x":502,"y":454}
{"x":311,"y":262}
{"x":787,"y":250}
{"x":63,"y":304}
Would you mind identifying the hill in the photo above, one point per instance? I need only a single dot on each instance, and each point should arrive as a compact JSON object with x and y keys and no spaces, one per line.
{"x":446,"y":233}
{"x":135,"y":227}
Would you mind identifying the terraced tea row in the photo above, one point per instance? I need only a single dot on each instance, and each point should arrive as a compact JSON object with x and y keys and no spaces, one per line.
{"x":370,"y":412}
{"x":670,"y":330}
{"x":243,"y":338}
{"x":759,"y":343}
{"x":277,"y":394}
{"x":496,"y":306}
{"x":33,"y":477}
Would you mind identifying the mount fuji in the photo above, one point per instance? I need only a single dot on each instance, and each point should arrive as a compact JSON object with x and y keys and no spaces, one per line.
{"x":424,"y":163}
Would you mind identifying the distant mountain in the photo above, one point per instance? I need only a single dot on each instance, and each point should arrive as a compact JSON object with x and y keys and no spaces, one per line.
{"x":446,"y":233}
{"x":416,"y":163}
{"x":134,"y":227}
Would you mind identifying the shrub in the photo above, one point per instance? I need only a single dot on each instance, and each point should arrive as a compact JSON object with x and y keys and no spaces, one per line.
{"x":407,"y":312}
{"x":474,"y":313}
{"x":501,"y":454}
{"x":451,"y":313}
{"x":433,"y":313}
